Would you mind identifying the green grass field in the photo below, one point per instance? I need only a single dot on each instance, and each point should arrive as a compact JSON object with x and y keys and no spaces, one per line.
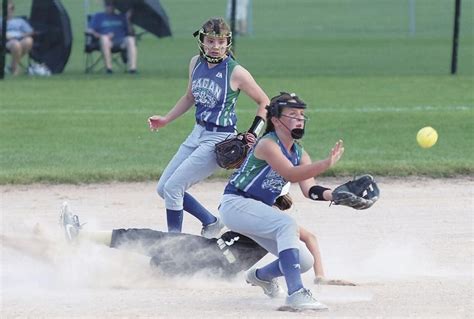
{"x":373,"y":85}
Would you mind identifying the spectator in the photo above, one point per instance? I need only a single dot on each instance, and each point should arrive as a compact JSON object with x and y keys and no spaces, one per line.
{"x":114,"y":31}
{"x":19,"y":37}
{"x":241,"y":15}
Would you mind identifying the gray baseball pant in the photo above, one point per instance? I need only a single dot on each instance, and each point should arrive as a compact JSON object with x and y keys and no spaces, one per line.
{"x":194,"y":161}
{"x":271,"y":228}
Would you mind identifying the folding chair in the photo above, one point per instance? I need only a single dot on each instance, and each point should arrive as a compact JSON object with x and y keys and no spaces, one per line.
{"x":94,"y":54}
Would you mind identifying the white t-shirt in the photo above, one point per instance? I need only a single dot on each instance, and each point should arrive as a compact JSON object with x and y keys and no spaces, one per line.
{"x":17,"y":28}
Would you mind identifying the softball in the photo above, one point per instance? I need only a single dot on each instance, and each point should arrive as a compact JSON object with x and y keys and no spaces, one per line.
{"x":427,"y":137}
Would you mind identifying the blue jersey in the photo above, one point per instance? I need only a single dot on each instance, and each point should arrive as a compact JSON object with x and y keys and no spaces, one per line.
{"x":104,"y":23}
{"x":256,"y":178}
{"x":215,"y":100}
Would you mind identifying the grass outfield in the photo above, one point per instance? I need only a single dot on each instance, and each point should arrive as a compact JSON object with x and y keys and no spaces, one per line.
{"x":65,"y":129}
{"x":370,"y":84}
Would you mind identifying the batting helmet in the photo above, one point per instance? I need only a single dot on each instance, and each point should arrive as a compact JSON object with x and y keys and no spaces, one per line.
{"x":277,"y":103}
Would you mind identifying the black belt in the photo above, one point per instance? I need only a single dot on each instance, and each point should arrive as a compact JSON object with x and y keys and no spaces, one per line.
{"x":231,"y":189}
{"x":216,"y":128}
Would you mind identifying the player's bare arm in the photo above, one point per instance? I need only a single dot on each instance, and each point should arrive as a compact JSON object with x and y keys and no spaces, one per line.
{"x":242,"y":80}
{"x":307,"y":184}
{"x":311,"y":243}
{"x":269,"y":151}
{"x":182,"y":106}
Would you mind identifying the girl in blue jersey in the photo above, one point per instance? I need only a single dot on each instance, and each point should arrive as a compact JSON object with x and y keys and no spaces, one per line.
{"x":215,"y":81}
{"x":246,"y":207}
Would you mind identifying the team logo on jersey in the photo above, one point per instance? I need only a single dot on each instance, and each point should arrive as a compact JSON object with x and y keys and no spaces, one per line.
{"x":206,"y":92}
{"x":273,"y":182}
{"x":219,"y":75}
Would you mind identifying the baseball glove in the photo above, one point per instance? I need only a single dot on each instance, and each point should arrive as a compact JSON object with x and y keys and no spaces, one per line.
{"x":231,"y":153}
{"x":360,"y":193}
{"x":283,"y":202}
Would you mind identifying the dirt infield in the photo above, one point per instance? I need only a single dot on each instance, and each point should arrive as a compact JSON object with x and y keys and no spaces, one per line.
{"x":411,"y":255}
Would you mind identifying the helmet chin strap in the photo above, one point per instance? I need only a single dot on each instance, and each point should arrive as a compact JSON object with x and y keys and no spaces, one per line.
{"x":296,"y":133}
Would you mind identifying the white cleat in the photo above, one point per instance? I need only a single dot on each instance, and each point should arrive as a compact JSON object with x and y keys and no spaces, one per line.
{"x":69,"y":222}
{"x":271,"y":288}
{"x":212,"y":230}
{"x":302,"y":300}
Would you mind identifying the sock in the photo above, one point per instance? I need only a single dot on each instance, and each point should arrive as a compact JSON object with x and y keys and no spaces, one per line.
{"x":290,"y":265}
{"x":192,"y":206}
{"x":175,"y":220}
{"x":270,"y":271}
{"x":100,"y":237}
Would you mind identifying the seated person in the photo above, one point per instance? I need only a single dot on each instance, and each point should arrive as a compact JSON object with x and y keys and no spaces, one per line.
{"x":114,"y":31}
{"x":19,"y":38}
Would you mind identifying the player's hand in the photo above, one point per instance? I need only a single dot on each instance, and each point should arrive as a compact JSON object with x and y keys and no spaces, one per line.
{"x":336,"y":153}
{"x":156,"y":122}
{"x":249,"y":139}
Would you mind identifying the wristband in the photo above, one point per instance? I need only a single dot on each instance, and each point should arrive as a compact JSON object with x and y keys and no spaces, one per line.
{"x":256,"y":126}
{"x":316,"y":192}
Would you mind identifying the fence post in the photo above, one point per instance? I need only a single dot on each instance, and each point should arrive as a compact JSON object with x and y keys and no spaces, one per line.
{"x":454,"y":54}
{"x":4,"y":39}
{"x":232,"y":23}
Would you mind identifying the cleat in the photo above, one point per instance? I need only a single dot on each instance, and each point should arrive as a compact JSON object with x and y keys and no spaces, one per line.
{"x":302,"y":300}
{"x":212,"y":230}
{"x":271,"y":288}
{"x":70,"y":223}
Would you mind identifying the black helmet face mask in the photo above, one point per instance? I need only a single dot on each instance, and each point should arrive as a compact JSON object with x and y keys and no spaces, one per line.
{"x":201,"y":34}
{"x":296,"y":133}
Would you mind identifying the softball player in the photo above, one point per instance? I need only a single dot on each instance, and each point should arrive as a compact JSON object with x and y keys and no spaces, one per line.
{"x":215,"y":81}
{"x":172,"y":253}
{"x":246,"y":206}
